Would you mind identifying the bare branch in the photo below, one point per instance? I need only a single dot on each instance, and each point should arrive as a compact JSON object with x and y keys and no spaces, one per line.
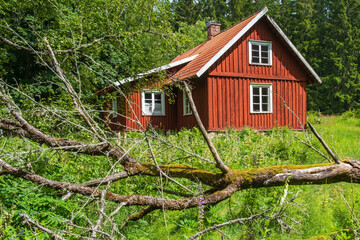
{"x":91,"y":123}
{"x":39,"y":226}
{"x":317,"y":151}
{"x":239,"y":220}
{"x":219,"y":163}
{"x":328,"y":150}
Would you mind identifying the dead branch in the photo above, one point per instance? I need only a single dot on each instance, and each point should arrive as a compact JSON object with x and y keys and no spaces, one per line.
{"x":348,"y":171}
{"x":219,"y":163}
{"x":39,"y":226}
{"x":311,"y":147}
{"x":76,"y":100}
{"x":239,"y":220}
{"x":328,"y":150}
{"x":275,"y":217}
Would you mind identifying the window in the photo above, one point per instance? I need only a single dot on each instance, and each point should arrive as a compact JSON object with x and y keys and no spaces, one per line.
{"x":260,"y":53}
{"x":260,"y":98}
{"x":153,"y":103}
{"x":186,"y":104}
{"x":114,"y":107}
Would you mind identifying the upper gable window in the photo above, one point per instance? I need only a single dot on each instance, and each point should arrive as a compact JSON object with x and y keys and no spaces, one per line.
{"x":260,"y":53}
{"x":153,"y":103}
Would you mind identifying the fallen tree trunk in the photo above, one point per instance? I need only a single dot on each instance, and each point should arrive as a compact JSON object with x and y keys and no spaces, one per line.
{"x":347,"y":171}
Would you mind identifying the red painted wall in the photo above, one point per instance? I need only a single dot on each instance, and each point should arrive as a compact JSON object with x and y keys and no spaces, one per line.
{"x":174,"y":118}
{"x":199,"y":93}
{"x":229,"y":85}
{"x":229,"y":104}
{"x":235,"y":62}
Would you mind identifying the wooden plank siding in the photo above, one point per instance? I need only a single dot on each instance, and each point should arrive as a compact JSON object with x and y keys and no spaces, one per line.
{"x":235,"y":62}
{"x":174,"y":118}
{"x":233,"y":108}
{"x":229,"y":85}
{"x":200,"y":94}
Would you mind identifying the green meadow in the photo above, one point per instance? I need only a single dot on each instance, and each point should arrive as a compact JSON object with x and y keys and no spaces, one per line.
{"x":321,"y":212}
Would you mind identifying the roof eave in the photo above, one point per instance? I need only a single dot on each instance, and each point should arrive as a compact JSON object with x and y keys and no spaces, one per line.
{"x":156,"y":70}
{"x":231,"y":42}
{"x":298,"y":54}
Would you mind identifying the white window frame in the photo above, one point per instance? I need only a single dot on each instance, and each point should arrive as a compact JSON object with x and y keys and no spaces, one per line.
{"x":270,"y":96}
{"x":152,"y":113}
{"x":114,"y":107}
{"x":186,"y":105}
{"x":260,"y":44}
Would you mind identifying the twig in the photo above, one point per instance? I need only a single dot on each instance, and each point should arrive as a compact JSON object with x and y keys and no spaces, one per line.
{"x":36,"y":224}
{"x":317,"y":151}
{"x":239,"y":220}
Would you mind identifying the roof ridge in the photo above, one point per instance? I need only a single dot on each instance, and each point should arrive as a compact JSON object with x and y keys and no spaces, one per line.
{"x":234,"y":25}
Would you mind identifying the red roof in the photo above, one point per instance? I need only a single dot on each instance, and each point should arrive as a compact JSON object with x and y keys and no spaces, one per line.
{"x":208,"y":50}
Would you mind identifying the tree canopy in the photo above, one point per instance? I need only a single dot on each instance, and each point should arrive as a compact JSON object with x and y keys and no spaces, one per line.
{"x":131,"y":37}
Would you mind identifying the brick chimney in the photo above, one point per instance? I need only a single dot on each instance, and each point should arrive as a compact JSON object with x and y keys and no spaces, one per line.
{"x":213,"y":28}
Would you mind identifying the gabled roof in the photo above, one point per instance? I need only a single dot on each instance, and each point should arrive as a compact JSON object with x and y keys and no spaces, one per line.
{"x":200,"y":58}
{"x":210,"y":51}
{"x":213,"y":49}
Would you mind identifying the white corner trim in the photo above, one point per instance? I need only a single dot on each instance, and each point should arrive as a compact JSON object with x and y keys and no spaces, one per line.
{"x":287,"y":40}
{"x":158,"y":69}
{"x":231,"y":42}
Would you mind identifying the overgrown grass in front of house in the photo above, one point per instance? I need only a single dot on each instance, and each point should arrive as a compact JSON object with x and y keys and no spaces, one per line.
{"x":323,"y":209}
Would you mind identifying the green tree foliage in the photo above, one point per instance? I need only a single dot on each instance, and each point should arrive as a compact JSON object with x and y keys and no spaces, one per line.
{"x":125,"y":37}
{"x":145,"y":34}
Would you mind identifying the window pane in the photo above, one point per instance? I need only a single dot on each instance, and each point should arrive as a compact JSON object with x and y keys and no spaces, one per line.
{"x":147,"y":96}
{"x":256,"y":99}
{"x":255,"y":47}
{"x":264,"y":91}
{"x":264,"y":48}
{"x":264,"y":60}
{"x":264,"y":54}
{"x":148,"y":108}
{"x":256,"y":107}
{"x":157,"y":96}
{"x":255,"y":91}
{"x":264,"y":99}
{"x":265,"y":107}
{"x":255,"y":60}
{"x":157,"y":108}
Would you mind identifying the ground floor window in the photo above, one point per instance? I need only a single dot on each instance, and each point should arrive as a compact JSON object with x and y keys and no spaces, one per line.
{"x":153,"y":103}
{"x":114,"y":107}
{"x":186,"y":104}
{"x":260,"y":98}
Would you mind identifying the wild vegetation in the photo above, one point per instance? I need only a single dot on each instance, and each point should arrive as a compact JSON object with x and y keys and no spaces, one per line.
{"x":330,"y":210}
{"x":63,"y":176}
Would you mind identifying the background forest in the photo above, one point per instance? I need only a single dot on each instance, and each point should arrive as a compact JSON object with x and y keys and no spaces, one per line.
{"x":130,"y":37}
{"x":48,"y":141}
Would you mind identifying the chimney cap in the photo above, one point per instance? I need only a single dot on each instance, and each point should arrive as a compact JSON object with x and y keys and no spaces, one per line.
{"x":212,"y":22}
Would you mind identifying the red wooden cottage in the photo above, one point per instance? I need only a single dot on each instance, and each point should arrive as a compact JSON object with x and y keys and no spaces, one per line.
{"x":249,"y":75}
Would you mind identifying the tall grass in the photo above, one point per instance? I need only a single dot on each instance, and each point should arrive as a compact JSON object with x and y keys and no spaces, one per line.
{"x":323,"y":211}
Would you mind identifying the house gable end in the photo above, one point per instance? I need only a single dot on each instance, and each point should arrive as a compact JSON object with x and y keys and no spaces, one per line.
{"x":284,"y":63}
